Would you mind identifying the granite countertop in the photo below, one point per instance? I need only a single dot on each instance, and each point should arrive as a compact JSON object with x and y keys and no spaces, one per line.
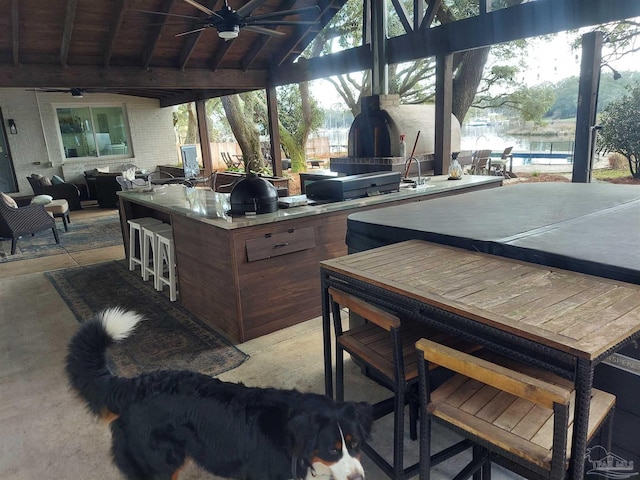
{"x":212,"y":207}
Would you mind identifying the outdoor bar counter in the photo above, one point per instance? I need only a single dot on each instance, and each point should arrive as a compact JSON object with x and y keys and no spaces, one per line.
{"x":249,"y":276}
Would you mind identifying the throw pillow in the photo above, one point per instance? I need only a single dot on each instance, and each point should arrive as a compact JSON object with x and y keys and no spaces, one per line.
{"x":45,"y":182}
{"x":8,"y":201}
{"x":42,"y":199}
{"x":57,"y":180}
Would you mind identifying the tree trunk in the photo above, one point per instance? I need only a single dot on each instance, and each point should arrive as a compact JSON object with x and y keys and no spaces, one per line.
{"x":245,"y":132}
{"x":192,"y":125}
{"x":467,"y":79}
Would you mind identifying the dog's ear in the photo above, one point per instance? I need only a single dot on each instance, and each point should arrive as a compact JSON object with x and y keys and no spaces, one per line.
{"x":301,"y":433}
{"x":301,"y":430}
{"x":362,"y":414}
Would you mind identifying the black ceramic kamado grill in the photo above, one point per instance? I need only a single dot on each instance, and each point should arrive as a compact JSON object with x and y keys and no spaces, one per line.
{"x":253,"y":195}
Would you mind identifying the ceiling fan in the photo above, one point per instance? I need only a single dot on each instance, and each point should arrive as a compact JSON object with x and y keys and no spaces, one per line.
{"x":228,"y":21}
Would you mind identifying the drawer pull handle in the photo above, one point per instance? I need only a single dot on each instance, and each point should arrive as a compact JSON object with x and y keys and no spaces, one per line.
{"x":279,"y":245}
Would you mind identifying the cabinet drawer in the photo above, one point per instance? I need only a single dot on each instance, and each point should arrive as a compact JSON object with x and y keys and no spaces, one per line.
{"x":274,"y":244}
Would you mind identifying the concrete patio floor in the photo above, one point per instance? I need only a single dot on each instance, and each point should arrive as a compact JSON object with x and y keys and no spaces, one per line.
{"x":47,"y":433}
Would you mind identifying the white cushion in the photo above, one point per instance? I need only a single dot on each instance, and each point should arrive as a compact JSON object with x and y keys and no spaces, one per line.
{"x":8,"y":200}
{"x":42,"y":199}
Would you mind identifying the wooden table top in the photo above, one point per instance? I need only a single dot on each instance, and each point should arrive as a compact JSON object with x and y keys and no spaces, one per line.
{"x":576,"y":313}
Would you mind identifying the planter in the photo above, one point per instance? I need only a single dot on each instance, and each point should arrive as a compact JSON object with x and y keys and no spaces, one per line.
{"x":226,"y":180}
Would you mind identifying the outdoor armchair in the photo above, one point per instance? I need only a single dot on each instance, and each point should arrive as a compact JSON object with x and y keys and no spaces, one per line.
{"x":18,"y":221}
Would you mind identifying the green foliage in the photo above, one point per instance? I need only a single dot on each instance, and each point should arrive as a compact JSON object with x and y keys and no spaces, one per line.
{"x":566,"y":91}
{"x":620,"y":132}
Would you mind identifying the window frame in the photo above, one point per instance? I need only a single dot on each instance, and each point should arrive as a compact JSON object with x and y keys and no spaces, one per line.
{"x":90,"y":107}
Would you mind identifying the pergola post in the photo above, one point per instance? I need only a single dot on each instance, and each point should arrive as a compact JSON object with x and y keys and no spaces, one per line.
{"x":587,"y":103}
{"x":444,"y":106}
{"x":203,"y":133}
{"x":274,"y":132}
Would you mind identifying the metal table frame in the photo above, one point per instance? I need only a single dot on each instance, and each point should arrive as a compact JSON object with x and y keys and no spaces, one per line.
{"x":575,"y":368}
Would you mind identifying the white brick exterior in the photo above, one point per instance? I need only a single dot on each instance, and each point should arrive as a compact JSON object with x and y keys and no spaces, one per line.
{"x":153,"y":140}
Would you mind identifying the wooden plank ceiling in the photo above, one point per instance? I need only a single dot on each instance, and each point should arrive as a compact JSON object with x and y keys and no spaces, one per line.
{"x":113,"y":46}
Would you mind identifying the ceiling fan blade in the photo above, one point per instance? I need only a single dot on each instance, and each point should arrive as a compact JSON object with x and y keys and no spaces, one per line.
{"x":190,"y":32}
{"x":265,"y":31}
{"x":283,"y":22}
{"x":191,"y":17}
{"x":201,"y":7}
{"x":284,"y":13}
{"x":247,"y":8}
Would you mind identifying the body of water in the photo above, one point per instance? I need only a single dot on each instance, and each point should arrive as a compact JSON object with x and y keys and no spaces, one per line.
{"x":527,"y":149}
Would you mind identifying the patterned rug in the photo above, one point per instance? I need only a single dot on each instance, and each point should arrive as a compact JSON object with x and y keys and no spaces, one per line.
{"x":85,"y":234}
{"x":169,"y":338}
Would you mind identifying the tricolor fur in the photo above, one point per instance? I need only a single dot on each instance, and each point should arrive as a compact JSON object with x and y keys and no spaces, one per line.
{"x":162,"y":418}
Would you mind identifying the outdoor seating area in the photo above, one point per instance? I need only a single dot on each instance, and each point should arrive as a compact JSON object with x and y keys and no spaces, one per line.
{"x":273,"y":188}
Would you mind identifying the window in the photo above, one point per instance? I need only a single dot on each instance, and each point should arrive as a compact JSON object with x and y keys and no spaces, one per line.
{"x":93,"y":131}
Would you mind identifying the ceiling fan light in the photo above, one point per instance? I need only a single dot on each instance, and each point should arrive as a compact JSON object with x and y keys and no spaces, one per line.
{"x":229,"y":33}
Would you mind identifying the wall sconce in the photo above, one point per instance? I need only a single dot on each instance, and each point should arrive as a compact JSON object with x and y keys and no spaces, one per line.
{"x":12,"y":126}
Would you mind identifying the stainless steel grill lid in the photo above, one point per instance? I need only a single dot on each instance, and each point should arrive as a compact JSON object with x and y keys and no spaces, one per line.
{"x":253,"y":194}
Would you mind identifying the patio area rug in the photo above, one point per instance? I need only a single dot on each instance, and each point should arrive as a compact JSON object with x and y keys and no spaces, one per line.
{"x":169,"y":338}
{"x":83,"y":234}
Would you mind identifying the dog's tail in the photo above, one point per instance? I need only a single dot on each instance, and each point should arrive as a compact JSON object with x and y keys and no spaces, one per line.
{"x":86,"y":360}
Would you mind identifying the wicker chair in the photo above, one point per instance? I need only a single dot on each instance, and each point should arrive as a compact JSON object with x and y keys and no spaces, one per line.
{"x":16,"y":222}
{"x":66,"y":191}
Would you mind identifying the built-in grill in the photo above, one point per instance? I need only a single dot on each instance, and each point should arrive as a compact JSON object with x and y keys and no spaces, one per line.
{"x":374,"y":137}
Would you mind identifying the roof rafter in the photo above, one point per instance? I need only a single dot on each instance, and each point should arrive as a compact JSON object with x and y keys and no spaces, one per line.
{"x":193,"y":38}
{"x":147,"y":54}
{"x":69,"y":17}
{"x":260,"y":43}
{"x":296,"y":46}
{"x":119,"y":13}
{"x":15,"y":31}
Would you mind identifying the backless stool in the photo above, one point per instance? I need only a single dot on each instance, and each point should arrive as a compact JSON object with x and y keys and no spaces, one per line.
{"x":135,"y":241}
{"x":165,"y":255}
{"x":149,"y":250}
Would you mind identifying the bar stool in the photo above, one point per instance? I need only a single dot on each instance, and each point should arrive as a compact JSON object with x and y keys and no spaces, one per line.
{"x":135,"y":225}
{"x":165,"y":255}
{"x":149,"y":250}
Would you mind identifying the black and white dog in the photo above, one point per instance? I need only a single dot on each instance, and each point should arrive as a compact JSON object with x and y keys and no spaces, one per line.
{"x":160,"y":419}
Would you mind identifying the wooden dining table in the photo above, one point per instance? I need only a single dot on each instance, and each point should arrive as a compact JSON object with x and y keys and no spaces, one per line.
{"x":562,"y":321}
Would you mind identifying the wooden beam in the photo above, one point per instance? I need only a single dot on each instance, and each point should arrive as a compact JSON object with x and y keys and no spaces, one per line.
{"x":434,"y":5}
{"x":532,"y":19}
{"x":154,"y":38}
{"x":68,"y":30}
{"x":403,"y":15}
{"x":119,"y":9}
{"x":296,"y":46}
{"x":187,"y":96}
{"x":418,"y":13}
{"x":220,"y":53}
{"x":129,"y":77}
{"x":587,"y":103}
{"x":527,"y":20}
{"x":192,"y":40}
{"x":203,"y":132}
{"x":274,"y":131}
{"x":15,"y":31}
{"x":444,"y":104}
{"x":263,"y":40}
